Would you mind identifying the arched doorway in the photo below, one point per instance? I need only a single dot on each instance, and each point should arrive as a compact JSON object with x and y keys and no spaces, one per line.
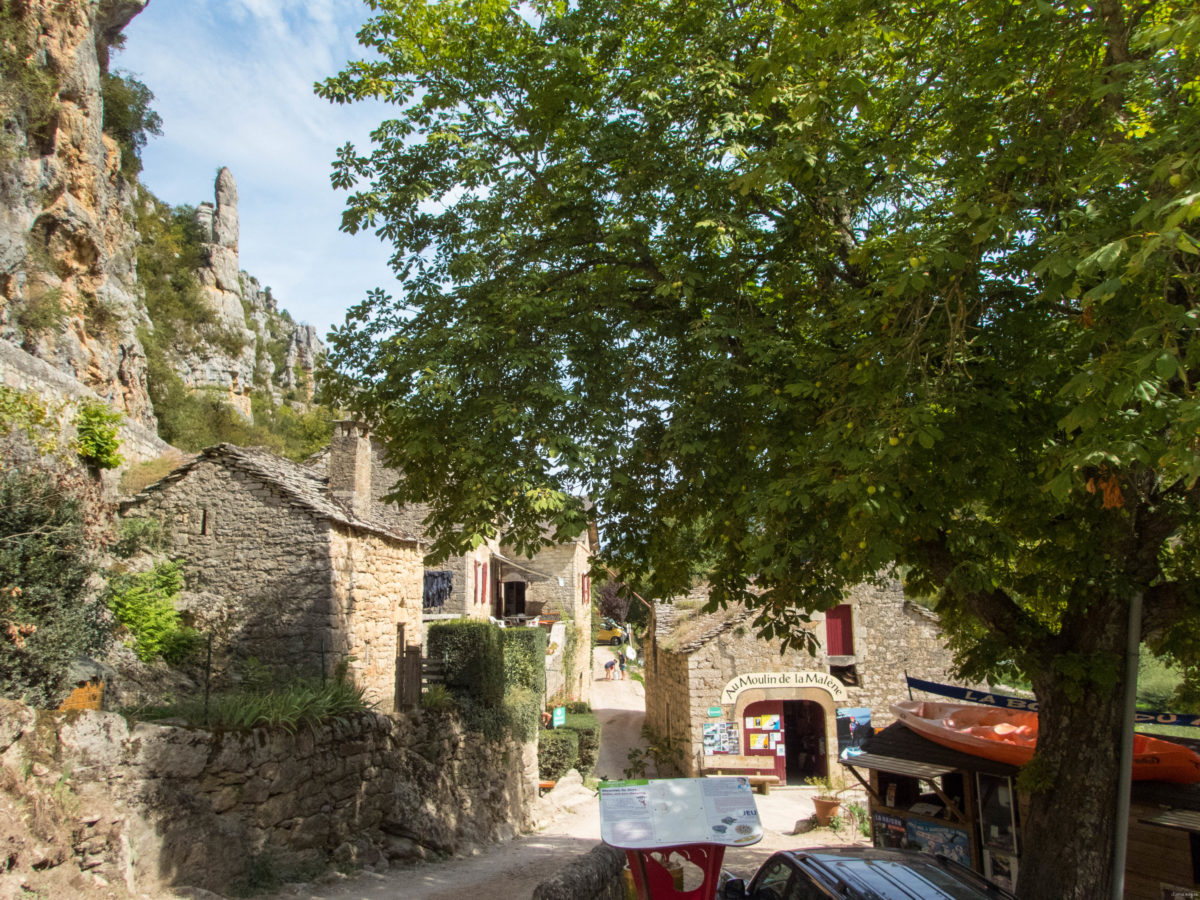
{"x":791,"y":737}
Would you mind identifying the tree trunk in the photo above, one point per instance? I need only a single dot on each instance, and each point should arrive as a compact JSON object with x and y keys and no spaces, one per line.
{"x":1070,"y":828}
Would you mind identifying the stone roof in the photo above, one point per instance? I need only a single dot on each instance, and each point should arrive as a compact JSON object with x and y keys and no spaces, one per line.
{"x":302,"y":486}
{"x":680,"y":626}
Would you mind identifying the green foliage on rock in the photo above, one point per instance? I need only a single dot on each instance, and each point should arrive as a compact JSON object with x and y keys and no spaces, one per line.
{"x":144,"y":603}
{"x":128,"y":118}
{"x":820,"y":289}
{"x":96,"y":440}
{"x":28,"y":88}
{"x":47,"y":618}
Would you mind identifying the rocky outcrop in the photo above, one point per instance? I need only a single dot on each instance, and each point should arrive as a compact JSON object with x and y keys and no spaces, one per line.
{"x":247,"y":312}
{"x":68,"y":291}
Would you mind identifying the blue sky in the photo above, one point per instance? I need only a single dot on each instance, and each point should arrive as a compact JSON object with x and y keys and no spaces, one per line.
{"x":232,"y":81}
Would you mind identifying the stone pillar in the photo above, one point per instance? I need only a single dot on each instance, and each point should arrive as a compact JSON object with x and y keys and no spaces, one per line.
{"x":350,"y":466}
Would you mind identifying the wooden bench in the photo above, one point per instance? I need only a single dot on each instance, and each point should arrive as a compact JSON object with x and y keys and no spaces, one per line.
{"x":741,"y":766}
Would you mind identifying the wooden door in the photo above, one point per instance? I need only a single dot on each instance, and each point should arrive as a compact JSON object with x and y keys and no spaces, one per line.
{"x":763,"y":736}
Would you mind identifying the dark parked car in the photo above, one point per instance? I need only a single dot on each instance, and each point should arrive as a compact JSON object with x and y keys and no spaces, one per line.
{"x":862,"y":873}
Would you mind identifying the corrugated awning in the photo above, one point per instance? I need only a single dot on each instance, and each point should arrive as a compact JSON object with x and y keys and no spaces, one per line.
{"x":909,"y":767}
{"x":526,"y":573}
{"x":1183,"y":819}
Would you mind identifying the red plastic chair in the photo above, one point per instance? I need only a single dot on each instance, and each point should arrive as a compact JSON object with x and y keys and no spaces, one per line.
{"x":654,"y":880}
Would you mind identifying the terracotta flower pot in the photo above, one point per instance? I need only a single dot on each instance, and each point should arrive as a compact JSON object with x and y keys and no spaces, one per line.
{"x":827,"y":808}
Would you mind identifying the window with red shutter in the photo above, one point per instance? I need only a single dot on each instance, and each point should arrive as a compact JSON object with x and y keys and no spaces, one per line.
{"x":839,"y":631}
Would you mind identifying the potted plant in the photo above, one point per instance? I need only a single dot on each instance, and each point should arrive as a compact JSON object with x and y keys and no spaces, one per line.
{"x":828,"y":799}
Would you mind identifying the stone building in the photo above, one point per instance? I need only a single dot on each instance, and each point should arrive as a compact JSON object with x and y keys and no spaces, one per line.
{"x":289,"y":567}
{"x":728,"y":700}
{"x":493,"y":582}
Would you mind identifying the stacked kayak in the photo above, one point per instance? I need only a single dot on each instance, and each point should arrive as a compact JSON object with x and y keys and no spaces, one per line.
{"x":1010,"y":735}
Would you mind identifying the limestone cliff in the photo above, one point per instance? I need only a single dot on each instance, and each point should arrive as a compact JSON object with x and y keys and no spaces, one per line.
{"x":68,"y":284}
{"x":73,"y":227}
{"x":247,"y":343}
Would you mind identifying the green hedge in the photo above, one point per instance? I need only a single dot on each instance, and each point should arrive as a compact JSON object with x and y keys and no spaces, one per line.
{"x":525,"y":658}
{"x":587,"y":726}
{"x":524,"y":679}
{"x":558,"y":751}
{"x":473,"y":659}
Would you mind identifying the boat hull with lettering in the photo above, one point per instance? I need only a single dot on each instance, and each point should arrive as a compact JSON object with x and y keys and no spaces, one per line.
{"x":1010,"y":736}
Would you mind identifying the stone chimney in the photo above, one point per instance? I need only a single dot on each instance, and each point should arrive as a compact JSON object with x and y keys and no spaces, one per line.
{"x":350,"y":466}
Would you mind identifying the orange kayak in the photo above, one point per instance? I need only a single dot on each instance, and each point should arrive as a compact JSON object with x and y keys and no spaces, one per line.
{"x":1010,"y":735}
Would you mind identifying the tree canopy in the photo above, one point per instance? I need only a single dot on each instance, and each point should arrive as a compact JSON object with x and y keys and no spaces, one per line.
{"x":812,"y":291}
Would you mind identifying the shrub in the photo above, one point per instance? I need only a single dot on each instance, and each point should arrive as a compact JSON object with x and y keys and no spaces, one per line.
{"x":127,"y":117}
{"x":145,"y":604}
{"x":46,"y":617}
{"x":587,"y":726}
{"x":473,"y":660}
{"x":96,"y":439}
{"x":43,"y":311}
{"x":524,"y":709}
{"x":525,"y":658}
{"x":28,"y":89}
{"x":558,"y":751}
{"x":136,"y":535}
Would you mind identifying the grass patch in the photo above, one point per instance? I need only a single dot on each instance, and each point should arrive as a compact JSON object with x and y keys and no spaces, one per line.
{"x":302,"y":703}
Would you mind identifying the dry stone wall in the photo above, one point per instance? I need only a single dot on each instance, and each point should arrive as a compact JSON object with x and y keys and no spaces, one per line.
{"x":199,"y":808}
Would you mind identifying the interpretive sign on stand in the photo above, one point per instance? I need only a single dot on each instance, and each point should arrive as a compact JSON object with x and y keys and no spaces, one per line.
{"x":692,"y":818}
{"x":651,"y":814}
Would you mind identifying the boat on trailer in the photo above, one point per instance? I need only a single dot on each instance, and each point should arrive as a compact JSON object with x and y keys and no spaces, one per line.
{"x":1010,"y":736}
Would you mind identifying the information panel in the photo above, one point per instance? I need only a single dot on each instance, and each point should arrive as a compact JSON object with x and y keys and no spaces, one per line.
{"x":639,"y":815}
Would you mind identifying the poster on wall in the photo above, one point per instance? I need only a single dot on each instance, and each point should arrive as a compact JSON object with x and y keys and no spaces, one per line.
{"x":889,"y":831}
{"x":720,"y":738}
{"x":953,"y":843}
{"x":853,"y":727}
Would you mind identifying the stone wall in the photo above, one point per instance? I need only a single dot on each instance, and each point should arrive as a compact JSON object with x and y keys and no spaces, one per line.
{"x":377,"y":592}
{"x":685,"y":677}
{"x":191,"y":807}
{"x":595,"y":875}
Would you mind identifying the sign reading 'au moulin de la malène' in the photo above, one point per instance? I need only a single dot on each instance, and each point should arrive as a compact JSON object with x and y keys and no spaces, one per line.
{"x":820,"y":680}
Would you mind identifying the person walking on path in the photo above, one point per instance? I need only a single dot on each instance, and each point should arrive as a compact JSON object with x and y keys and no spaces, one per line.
{"x":621,"y":664}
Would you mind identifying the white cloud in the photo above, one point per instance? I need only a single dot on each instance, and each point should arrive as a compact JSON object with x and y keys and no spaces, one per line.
{"x":233,"y":83}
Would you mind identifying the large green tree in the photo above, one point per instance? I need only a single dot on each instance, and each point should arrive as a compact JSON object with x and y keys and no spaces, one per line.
{"x":811,"y":289}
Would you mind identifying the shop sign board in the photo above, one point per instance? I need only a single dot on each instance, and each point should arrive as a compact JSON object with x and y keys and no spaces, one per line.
{"x":714,"y":712}
{"x":819,"y":680}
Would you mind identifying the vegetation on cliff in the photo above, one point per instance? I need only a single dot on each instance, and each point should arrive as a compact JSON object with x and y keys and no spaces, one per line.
{"x":170,"y":251}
